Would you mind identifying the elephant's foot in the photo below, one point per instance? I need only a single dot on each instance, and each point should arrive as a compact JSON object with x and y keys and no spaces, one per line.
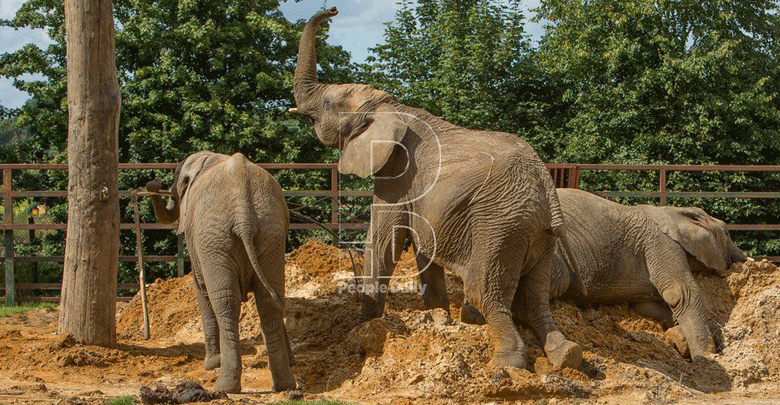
{"x":677,"y":337}
{"x":470,"y":315}
{"x":562,"y":352}
{"x":228,"y":384}
{"x":284,"y":384}
{"x":212,"y":362}
{"x":507,"y":360}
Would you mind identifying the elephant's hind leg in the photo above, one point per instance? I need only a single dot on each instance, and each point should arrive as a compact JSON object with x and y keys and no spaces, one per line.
{"x":208,"y":319}
{"x":272,"y":322}
{"x":494,"y":302}
{"x":276,"y":342}
{"x":432,"y":277}
{"x":532,"y":303}
{"x":225,"y":297}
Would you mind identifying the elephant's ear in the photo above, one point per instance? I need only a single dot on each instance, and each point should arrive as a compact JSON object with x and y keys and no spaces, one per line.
{"x":368,"y":152}
{"x":191,"y":169}
{"x":692,"y":229}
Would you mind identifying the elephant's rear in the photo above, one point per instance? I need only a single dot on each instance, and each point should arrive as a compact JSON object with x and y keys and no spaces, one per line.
{"x":260,"y":222}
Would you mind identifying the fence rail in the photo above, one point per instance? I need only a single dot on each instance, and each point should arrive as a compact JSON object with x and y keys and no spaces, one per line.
{"x":563,"y":174}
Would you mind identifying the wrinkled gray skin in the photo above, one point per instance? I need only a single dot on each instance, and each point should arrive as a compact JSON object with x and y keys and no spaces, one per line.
{"x":642,"y":255}
{"x":455,"y":193}
{"x":235,"y":221}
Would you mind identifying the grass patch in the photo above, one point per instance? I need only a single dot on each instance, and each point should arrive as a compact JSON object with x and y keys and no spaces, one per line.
{"x":123,"y":400}
{"x":23,"y":307}
{"x":310,"y":403}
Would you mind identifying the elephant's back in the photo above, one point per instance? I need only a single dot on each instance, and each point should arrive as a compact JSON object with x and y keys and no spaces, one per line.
{"x":240,"y":190}
{"x":592,"y":225}
{"x":606,"y":239}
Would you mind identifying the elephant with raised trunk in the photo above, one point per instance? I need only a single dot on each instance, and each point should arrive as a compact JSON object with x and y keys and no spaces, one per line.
{"x":235,"y":221}
{"x":641,"y":255}
{"x":454,"y":192}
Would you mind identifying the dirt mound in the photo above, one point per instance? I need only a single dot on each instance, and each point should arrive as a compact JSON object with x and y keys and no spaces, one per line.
{"x":412,"y":355}
{"x":751,"y":337}
{"x":418,"y":354}
{"x":165,"y":320}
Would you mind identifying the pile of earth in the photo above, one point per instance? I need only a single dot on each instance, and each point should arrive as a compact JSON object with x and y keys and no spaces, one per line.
{"x":414,"y":354}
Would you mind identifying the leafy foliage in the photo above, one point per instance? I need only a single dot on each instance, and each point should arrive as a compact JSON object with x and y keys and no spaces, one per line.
{"x":468,"y":61}
{"x":609,"y":82}
{"x":668,"y":82}
{"x":665,"y":81}
{"x":194,"y":75}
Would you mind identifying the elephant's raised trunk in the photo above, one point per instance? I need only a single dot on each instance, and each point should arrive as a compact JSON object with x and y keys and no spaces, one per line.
{"x":305,"y":85}
{"x":165,"y":214}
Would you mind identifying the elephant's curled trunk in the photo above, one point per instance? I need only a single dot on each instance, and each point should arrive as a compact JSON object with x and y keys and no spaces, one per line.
{"x":305,"y":85}
{"x":166,"y":214}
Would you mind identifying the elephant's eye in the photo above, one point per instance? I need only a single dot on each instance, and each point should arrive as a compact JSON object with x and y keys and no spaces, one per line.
{"x":326,"y":103}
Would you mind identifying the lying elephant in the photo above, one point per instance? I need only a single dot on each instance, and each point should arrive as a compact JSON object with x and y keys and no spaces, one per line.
{"x":641,"y":255}
{"x":235,"y":222}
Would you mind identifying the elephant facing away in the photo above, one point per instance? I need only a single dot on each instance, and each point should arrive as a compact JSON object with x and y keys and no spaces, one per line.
{"x":453,"y":191}
{"x":642,"y":255}
{"x":235,"y":222}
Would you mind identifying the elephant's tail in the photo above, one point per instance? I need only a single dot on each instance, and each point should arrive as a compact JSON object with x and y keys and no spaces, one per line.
{"x":559,"y":230}
{"x":252,"y":253}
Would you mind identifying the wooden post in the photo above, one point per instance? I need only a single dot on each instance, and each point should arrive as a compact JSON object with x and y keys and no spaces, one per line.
{"x":139,"y":248}
{"x":87,"y":303}
{"x":662,"y":182}
{"x":8,"y":218}
{"x":334,"y":205}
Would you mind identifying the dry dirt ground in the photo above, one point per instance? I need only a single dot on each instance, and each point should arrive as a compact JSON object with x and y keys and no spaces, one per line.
{"x":411,"y":356}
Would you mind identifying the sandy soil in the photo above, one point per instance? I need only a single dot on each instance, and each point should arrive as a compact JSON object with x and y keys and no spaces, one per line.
{"x":410,"y":356}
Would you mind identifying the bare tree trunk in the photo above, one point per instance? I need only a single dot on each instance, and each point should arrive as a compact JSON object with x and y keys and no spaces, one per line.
{"x":87,"y":306}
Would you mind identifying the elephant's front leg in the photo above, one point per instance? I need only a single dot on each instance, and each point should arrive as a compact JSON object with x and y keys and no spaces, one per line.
{"x":657,"y":310}
{"x":670,"y":274}
{"x":661,"y":312}
{"x":532,"y":303}
{"x":382,"y":252}
{"x":688,"y":309}
{"x":208,"y":319}
{"x":433,"y":280}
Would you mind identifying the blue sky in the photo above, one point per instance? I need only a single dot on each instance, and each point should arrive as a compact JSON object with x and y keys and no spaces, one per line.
{"x":359,"y":26}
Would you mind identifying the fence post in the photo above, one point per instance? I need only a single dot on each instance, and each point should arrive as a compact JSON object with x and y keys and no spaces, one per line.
{"x":662,"y":181}
{"x":334,"y":204}
{"x":8,"y":219}
{"x":180,"y":254}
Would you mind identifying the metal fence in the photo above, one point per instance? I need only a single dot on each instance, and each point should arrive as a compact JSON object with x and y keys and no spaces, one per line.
{"x":564,"y":175}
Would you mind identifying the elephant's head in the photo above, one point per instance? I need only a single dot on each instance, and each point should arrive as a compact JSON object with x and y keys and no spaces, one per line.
{"x":359,"y":119}
{"x":186,"y":173}
{"x":705,"y":238}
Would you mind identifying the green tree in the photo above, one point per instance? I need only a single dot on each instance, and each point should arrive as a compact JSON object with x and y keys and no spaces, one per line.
{"x":665,"y":81}
{"x":465,"y":60}
{"x":669,"y":82}
{"x":194,"y":75}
